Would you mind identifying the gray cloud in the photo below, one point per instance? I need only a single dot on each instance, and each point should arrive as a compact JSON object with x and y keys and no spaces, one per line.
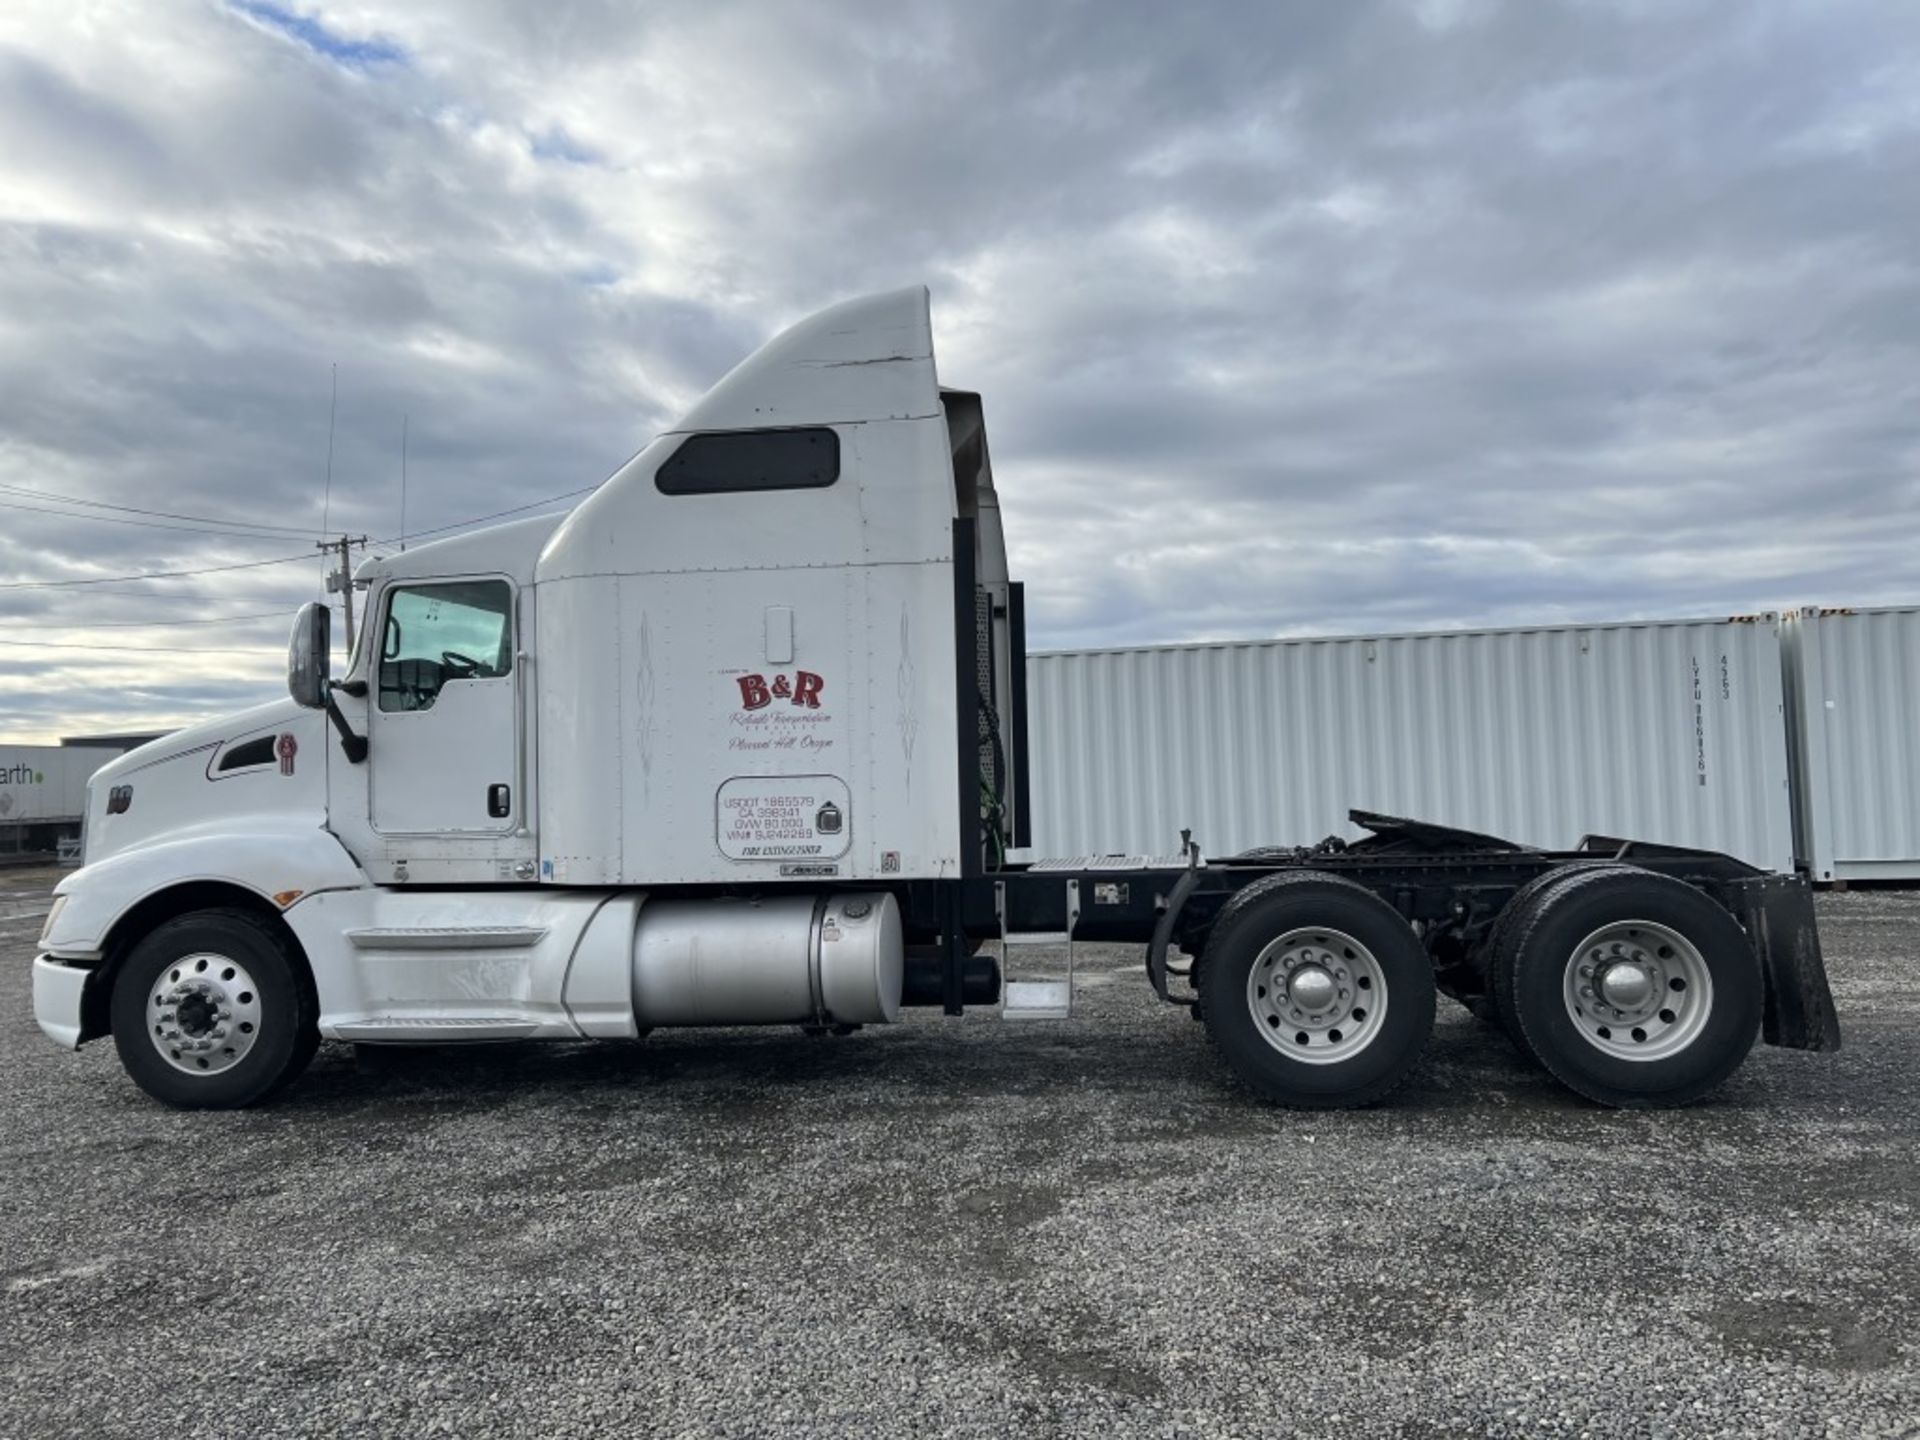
{"x":1290,"y":318}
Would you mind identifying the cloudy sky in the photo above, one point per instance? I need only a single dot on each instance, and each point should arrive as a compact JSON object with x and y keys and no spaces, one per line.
{"x":1290,"y":318}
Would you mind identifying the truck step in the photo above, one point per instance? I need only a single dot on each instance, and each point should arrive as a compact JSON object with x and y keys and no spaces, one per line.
{"x":1047,"y":995}
{"x":416,"y":1029}
{"x":1036,"y":999}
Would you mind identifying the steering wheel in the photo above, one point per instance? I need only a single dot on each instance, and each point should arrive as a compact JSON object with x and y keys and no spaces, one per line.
{"x":463,"y":667}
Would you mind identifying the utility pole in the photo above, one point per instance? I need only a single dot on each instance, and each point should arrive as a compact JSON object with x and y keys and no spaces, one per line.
{"x":341,"y":581}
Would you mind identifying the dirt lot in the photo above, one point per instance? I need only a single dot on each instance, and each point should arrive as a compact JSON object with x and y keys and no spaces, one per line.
{"x":965,"y":1228}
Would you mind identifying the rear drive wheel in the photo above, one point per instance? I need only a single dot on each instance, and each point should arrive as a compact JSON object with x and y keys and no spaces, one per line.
{"x":1503,"y":942}
{"x":211,"y":1011}
{"x":1316,"y":991}
{"x":1634,"y":989}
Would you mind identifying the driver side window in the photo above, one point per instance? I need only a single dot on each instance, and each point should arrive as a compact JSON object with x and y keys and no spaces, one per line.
{"x":461,"y":630}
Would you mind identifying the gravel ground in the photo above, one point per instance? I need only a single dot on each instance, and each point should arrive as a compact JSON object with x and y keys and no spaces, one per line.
{"x":965,"y":1228}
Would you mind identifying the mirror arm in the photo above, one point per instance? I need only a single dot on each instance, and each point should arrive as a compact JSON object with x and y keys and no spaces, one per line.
{"x":355,"y":688}
{"x":355,"y":746}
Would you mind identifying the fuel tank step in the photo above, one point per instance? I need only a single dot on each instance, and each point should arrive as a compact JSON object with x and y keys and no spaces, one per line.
{"x":1044,"y":989}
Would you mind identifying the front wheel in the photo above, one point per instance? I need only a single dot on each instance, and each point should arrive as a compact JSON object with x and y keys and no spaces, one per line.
{"x":1316,"y":991}
{"x":211,"y":1012}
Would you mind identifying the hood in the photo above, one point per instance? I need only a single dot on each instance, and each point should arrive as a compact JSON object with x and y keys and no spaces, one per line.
{"x":217,"y":776}
{"x":282,"y":713}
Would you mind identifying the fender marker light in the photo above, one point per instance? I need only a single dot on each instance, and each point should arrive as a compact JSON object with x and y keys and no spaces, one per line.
{"x":284,"y":898}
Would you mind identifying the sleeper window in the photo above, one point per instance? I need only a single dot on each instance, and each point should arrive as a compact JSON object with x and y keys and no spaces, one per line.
{"x":727,"y":462}
{"x":437,"y":633}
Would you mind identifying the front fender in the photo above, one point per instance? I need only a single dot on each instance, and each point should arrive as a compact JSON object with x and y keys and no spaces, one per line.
{"x":266,"y":858}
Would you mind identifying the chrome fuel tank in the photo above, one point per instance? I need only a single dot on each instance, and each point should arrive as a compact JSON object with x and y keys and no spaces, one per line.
{"x":799,"y":959}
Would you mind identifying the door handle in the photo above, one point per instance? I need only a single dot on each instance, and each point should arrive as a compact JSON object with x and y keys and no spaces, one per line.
{"x":499,"y":801}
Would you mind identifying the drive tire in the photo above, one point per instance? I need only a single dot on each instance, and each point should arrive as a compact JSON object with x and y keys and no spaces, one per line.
{"x":279,"y":1002}
{"x":1503,"y":942}
{"x":1687,"y":933}
{"x":1258,"y":928}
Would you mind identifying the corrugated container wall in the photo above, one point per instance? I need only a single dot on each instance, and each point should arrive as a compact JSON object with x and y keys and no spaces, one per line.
{"x":46,"y":782}
{"x":1667,"y":731}
{"x":1853,"y":714}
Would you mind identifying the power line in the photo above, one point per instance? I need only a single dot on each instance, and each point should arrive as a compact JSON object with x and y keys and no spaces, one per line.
{"x":150,"y":575}
{"x":282,"y":559}
{"x":33,"y":494}
{"x":496,"y":515}
{"x":143,"y":524}
{"x":143,"y":649}
{"x":150,"y":624}
{"x":152,"y":597}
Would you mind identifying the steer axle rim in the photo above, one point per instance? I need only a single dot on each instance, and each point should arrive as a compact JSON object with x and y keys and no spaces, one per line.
{"x":203,"y":1014}
{"x":1318,"y":996}
{"x":1638,"y":990}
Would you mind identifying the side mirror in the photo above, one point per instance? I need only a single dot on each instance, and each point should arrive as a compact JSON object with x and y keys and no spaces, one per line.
{"x":309,"y":655}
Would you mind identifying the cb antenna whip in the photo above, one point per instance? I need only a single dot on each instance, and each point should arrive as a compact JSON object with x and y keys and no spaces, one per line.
{"x":333,"y":405}
{"x":403,"y":481}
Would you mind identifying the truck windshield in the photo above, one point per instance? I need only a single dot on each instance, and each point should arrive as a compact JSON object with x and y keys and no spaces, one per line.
{"x":439,"y":633}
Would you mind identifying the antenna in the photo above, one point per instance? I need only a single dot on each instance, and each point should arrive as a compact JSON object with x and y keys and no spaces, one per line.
{"x":326,"y":496}
{"x":403,"y":481}
{"x":333,"y":405}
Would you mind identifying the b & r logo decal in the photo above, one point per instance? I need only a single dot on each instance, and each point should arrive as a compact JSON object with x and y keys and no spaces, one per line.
{"x":803,"y":690}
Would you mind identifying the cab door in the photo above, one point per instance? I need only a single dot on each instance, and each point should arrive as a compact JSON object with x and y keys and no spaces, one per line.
{"x":445,"y":733}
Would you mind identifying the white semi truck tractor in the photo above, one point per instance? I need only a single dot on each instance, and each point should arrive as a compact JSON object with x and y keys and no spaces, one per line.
{"x":742,"y":740}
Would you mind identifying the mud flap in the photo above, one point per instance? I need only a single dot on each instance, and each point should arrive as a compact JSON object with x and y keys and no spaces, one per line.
{"x":1777,"y":911}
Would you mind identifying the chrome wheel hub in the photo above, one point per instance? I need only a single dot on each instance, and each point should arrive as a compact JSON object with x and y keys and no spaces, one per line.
{"x":1311,"y":988}
{"x":203,"y":1014}
{"x":1318,"y":996}
{"x":1625,"y":986}
{"x":1638,"y":990}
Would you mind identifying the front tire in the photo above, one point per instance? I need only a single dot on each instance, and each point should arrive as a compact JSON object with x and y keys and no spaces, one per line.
{"x":211,"y":1011}
{"x":1633,"y":989}
{"x":1316,"y":991}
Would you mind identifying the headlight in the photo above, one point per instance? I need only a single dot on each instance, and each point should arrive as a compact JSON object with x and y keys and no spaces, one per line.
{"x":59,"y":904}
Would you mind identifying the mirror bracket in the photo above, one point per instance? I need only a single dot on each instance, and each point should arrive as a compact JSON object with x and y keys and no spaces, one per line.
{"x":355,"y":746}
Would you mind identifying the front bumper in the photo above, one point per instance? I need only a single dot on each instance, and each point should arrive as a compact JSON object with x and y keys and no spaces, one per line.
{"x":57,"y":992}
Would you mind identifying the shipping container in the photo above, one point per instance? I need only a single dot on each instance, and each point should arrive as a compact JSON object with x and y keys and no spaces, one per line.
{"x":1852,"y":681}
{"x":1670,"y":731}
